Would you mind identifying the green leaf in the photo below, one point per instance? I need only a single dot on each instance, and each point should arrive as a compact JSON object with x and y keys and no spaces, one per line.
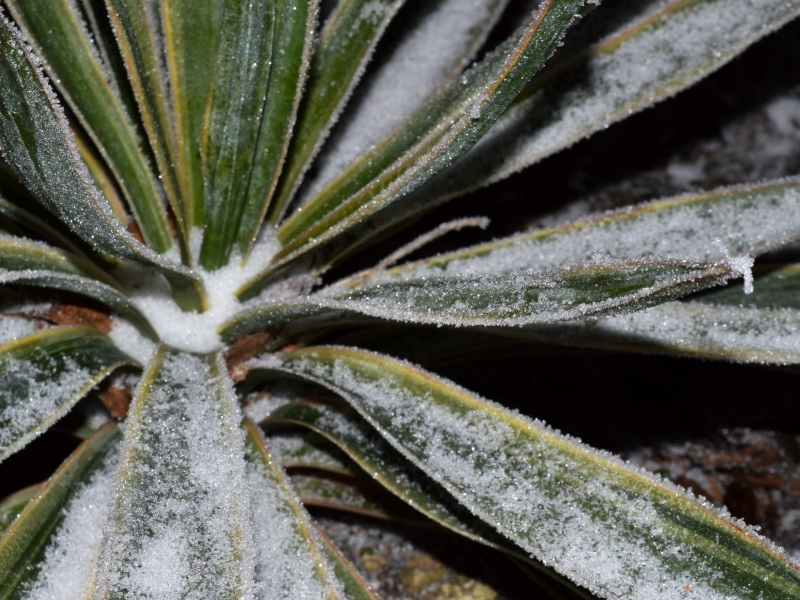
{"x":12,"y":505}
{"x":655,"y":52}
{"x":616,"y":530}
{"x":305,"y":450}
{"x":30,"y":263}
{"x":345,"y":46}
{"x":290,"y":563}
{"x":38,"y":145}
{"x":37,"y":225}
{"x":191,"y":36}
{"x":60,"y":530}
{"x":43,"y":375}
{"x":59,"y":35}
{"x":718,"y":226}
{"x":435,"y":137}
{"x":262,"y":58}
{"x":179,"y":522}
{"x":514,"y":299}
{"x":725,"y":324}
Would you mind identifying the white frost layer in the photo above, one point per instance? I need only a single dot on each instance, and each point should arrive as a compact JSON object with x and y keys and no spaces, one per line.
{"x":196,"y":332}
{"x":712,"y":229}
{"x":287,"y":567}
{"x":41,"y":390}
{"x":746,"y":334}
{"x":547,"y":492}
{"x":13,"y":328}
{"x":180,"y":525}
{"x":677,"y":49}
{"x":130,"y":340}
{"x":440,"y":44}
{"x":68,"y":568}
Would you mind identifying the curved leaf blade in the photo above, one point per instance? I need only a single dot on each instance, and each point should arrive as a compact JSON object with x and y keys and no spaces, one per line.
{"x":715,"y":226}
{"x":355,"y":588}
{"x":500,"y":300}
{"x":435,"y":137}
{"x":51,"y":550}
{"x":672,"y":45}
{"x":179,"y":520}
{"x":61,"y":38}
{"x":553,"y":496}
{"x":43,"y":375}
{"x":344,"y":48}
{"x":13,"y":504}
{"x":290,"y":563}
{"x":38,"y":145}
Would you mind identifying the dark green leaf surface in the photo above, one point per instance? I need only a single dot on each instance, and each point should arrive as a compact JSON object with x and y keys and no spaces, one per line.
{"x":516,"y":299}
{"x":38,"y":145}
{"x":435,"y":137}
{"x":56,"y":30}
{"x":191,"y":36}
{"x":345,"y":46}
{"x":550,"y":494}
{"x":43,"y":375}
{"x":181,"y":485}
{"x":24,"y":545}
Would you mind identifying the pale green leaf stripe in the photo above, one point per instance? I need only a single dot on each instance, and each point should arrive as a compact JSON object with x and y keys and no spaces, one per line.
{"x":713,"y":227}
{"x":43,"y":375}
{"x":138,"y":28}
{"x":345,"y":46}
{"x":191,"y":38}
{"x":23,"y":262}
{"x":513,"y":299}
{"x":57,"y":32}
{"x":179,"y":522}
{"x":762,"y":327}
{"x":294,"y":37}
{"x":550,"y":494}
{"x":440,"y":133}
{"x":355,"y":588}
{"x":38,"y":145}
{"x":290,"y":564}
{"x":12,"y":505}
{"x":62,"y":526}
{"x":370,"y":452}
{"x":662,"y":49}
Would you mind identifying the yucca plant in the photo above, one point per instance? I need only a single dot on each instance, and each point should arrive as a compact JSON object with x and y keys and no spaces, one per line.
{"x":177,"y":236}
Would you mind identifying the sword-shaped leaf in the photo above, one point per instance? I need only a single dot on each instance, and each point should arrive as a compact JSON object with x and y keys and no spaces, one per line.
{"x":36,"y":225}
{"x":57,"y":31}
{"x":440,"y":133}
{"x":38,"y":145}
{"x":263,"y":53}
{"x":13,"y":504}
{"x":139,"y":30}
{"x":290,"y":564}
{"x":191,"y":39}
{"x":355,"y":588}
{"x":762,"y":327}
{"x":23,"y":262}
{"x":721,"y":226}
{"x":345,"y":46}
{"x":615,"y":529}
{"x":180,"y":522}
{"x":43,"y":375}
{"x":51,"y":550}
{"x":390,"y":92}
{"x":513,"y":299}
{"x":657,"y":51}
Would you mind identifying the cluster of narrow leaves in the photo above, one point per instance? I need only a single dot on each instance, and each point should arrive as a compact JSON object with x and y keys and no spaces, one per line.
{"x":212,"y":160}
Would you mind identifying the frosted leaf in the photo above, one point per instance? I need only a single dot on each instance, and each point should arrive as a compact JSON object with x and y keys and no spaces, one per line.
{"x":67,"y":570}
{"x":606,"y":525}
{"x":180,"y":522}
{"x":44,"y":374}
{"x":657,"y":50}
{"x":436,"y":45}
{"x":13,"y":328}
{"x":289,"y":564}
{"x":740,"y":221}
{"x":294,"y":449}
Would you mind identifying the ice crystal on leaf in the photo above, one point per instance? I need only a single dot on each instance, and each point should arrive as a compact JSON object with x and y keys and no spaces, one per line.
{"x":182,"y":187}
